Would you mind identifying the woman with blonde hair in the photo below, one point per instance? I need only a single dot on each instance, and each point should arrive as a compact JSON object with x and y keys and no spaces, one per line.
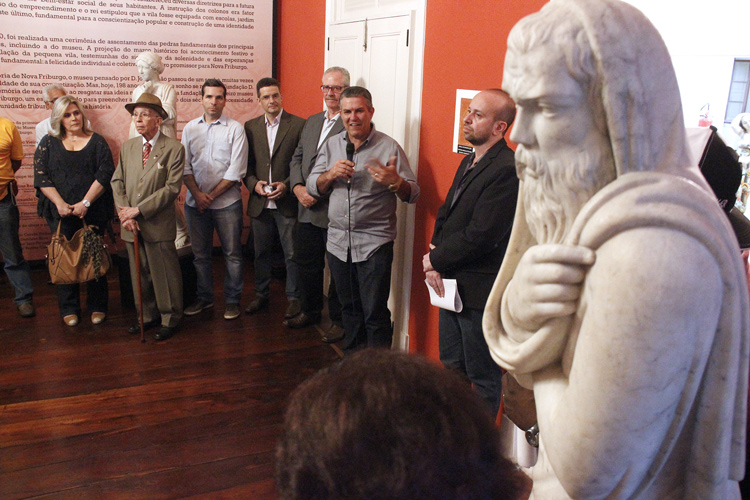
{"x":72,"y":170}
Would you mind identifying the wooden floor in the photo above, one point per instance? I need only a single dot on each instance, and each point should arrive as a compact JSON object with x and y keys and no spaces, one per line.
{"x":91,"y":413}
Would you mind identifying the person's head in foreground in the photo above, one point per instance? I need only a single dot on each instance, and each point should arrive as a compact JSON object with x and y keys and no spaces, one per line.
{"x":384,"y":425}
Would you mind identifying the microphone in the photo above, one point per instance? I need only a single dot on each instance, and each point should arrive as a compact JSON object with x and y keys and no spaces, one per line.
{"x":349,"y":157}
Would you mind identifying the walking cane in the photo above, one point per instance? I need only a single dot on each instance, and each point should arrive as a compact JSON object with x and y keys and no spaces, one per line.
{"x":138,"y":279}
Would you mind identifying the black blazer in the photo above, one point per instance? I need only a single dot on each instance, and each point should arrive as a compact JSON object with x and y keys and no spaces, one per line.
{"x":261,"y":162}
{"x":470,"y":237}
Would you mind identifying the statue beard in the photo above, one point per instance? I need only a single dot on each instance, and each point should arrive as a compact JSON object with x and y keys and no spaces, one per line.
{"x":554,"y":191}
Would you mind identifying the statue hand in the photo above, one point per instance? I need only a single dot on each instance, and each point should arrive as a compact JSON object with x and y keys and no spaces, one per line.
{"x":148,"y":87}
{"x":547,"y":283}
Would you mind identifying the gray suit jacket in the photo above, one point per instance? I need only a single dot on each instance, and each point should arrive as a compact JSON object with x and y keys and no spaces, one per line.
{"x":260,"y":162}
{"x":304,"y":160}
{"x":153,"y":188}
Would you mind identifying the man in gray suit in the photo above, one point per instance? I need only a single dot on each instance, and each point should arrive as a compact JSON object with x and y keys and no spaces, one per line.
{"x":145,"y":185}
{"x":272,"y":139}
{"x":312,"y":217}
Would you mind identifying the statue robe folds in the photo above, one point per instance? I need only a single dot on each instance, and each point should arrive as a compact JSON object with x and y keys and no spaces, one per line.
{"x":699,"y":377}
{"x":642,"y":393}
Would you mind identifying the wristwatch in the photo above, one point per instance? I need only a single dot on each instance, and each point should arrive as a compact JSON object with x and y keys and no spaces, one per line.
{"x":393,"y":188}
{"x":86,"y":203}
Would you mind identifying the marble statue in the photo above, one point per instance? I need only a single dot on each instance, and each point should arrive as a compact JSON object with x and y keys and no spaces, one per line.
{"x":741,"y":127}
{"x":149,"y":68}
{"x":622,"y":299}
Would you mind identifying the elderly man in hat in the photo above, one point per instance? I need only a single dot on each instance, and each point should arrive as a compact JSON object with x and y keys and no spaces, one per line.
{"x":145,"y":185}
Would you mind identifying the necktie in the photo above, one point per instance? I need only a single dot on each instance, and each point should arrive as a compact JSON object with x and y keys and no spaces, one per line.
{"x":146,"y":153}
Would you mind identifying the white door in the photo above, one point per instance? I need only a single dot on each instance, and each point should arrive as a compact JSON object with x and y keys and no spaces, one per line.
{"x":377,"y":54}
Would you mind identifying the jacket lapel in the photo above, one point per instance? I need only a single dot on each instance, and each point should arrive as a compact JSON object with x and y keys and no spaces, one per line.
{"x":155,"y":157}
{"x":283,"y":129}
{"x":337,"y":128}
{"x":483,"y":163}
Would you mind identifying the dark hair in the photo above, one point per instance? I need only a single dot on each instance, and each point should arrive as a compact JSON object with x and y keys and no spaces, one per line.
{"x":213,"y":82}
{"x":385,"y":425}
{"x":357,"y":92}
{"x":267,"y":82}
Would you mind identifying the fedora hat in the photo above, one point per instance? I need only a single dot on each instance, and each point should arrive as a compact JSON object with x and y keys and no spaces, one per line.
{"x":150,"y":101}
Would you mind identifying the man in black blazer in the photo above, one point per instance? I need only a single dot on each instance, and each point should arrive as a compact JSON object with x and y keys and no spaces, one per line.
{"x":312,"y":217}
{"x":471,"y":234}
{"x":272,"y":139}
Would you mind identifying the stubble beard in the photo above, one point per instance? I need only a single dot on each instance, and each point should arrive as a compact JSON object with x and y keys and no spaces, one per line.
{"x":554,"y":191}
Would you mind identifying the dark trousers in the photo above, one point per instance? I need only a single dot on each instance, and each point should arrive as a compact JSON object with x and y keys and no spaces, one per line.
{"x":97,"y":291}
{"x":463,"y":348}
{"x":363,"y":289}
{"x":310,"y":254}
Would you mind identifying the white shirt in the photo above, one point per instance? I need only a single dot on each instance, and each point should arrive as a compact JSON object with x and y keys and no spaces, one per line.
{"x":327,"y":126}
{"x":214,"y":152}
{"x":272,"y":128}
{"x":43,"y":128}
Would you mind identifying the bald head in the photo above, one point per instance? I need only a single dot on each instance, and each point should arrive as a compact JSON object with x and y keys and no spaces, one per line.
{"x":489,"y":115}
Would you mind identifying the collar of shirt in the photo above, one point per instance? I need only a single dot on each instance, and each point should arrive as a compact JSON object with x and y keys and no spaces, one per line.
{"x":345,"y":137}
{"x":152,"y":141}
{"x":275,"y":121}
{"x":221,"y":120}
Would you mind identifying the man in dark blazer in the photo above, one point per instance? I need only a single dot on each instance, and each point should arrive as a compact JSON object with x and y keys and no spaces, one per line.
{"x":471,"y":234}
{"x":312,"y":217}
{"x":272,"y":139}
{"x":145,"y":185}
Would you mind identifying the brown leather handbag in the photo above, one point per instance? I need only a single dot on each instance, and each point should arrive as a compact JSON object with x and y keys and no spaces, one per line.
{"x":82,"y":258}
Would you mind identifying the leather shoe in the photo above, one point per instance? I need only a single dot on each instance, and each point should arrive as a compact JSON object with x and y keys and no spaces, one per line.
{"x":165,"y":332}
{"x":335,"y":334}
{"x":256,"y":305}
{"x":148,"y":325}
{"x":293,"y":309}
{"x":26,"y":310}
{"x":302,"y":320}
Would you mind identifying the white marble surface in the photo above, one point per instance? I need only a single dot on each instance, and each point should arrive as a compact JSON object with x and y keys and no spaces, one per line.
{"x":622,"y":300}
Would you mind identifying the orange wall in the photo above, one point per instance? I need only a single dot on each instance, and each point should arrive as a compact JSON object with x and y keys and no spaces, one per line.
{"x":464,"y":48}
{"x":300,"y":55}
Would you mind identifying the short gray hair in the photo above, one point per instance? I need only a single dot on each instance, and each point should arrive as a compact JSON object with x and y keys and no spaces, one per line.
{"x":344,"y":72}
{"x":357,"y":92}
{"x":49,"y":88}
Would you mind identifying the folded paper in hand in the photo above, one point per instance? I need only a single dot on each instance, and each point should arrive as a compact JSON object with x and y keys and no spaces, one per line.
{"x":451,"y":301}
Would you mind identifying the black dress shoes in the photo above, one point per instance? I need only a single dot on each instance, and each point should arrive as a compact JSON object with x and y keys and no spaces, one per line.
{"x":256,"y":305}
{"x":293,"y":309}
{"x":335,"y":334}
{"x":165,"y":332}
{"x":302,"y":320}
{"x":148,"y":325}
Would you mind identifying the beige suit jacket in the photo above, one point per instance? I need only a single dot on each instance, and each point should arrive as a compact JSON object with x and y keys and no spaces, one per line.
{"x":153,"y":188}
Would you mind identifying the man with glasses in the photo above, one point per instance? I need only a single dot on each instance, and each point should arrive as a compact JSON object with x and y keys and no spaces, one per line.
{"x":145,"y":185}
{"x":312,"y":217}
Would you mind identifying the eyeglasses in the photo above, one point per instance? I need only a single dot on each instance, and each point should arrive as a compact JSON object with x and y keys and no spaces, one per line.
{"x":336,"y":88}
